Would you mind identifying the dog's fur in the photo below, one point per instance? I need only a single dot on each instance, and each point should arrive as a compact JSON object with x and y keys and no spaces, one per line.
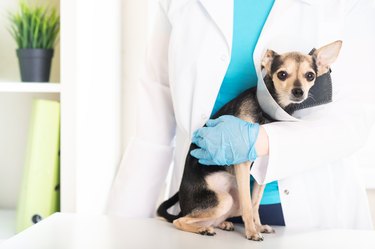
{"x":209,"y":195}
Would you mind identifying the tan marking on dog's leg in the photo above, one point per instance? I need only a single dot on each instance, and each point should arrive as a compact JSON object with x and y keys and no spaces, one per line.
{"x":226,"y":225}
{"x":257,"y":197}
{"x":202,"y":221}
{"x":189,"y":224}
{"x":242,"y":172}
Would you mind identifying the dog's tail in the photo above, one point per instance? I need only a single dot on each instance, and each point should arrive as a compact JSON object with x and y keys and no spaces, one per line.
{"x":162,"y":210}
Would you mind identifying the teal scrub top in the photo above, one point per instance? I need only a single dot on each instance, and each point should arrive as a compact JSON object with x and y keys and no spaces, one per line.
{"x":249,"y":19}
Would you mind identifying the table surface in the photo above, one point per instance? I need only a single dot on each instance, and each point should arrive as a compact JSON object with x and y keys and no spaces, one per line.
{"x":107,"y":232}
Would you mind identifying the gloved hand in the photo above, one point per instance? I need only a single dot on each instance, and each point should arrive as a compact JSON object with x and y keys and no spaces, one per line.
{"x":226,"y":140}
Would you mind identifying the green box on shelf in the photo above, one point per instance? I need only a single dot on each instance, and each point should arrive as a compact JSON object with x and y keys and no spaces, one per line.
{"x":39,"y":195}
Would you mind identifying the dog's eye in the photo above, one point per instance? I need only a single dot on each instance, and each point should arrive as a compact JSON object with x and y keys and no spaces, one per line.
{"x":282,"y":75}
{"x":310,"y":76}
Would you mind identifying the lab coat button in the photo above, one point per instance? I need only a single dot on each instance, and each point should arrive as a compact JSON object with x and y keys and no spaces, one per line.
{"x":204,"y":117}
{"x":286,"y":192}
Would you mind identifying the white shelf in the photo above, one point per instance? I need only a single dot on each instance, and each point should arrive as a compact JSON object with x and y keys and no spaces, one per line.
{"x":7,"y":224}
{"x":29,"y":87}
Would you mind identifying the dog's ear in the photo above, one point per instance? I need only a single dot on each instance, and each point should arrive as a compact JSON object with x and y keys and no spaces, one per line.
{"x":326,"y":55}
{"x":268,"y":59}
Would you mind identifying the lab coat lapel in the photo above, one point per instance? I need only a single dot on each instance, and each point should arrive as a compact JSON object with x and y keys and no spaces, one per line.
{"x":221,"y":12}
{"x":213,"y":62}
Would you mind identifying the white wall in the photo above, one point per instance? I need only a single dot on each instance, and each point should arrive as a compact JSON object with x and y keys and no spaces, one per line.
{"x":100,"y":58}
{"x":98,"y":101}
{"x":91,"y":113}
{"x":134,"y":32}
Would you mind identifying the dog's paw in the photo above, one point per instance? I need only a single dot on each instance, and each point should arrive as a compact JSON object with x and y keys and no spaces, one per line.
{"x":227,"y":226}
{"x":254,"y":236}
{"x":266,"y":229}
{"x":209,"y":231}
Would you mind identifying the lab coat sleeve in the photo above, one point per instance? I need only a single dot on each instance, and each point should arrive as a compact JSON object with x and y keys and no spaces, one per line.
{"x":337,"y":130}
{"x":147,"y":158}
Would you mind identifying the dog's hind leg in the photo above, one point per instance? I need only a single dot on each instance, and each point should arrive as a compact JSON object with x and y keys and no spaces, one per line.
{"x":242,"y":172}
{"x":194,"y":225}
{"x":204,"y":221}
{"x":256,"y":198}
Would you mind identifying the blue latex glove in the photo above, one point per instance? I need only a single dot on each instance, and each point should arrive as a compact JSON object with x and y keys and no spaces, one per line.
{"x":226,"y":140}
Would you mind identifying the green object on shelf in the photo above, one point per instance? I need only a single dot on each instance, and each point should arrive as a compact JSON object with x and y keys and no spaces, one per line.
{"x":39,"y":195}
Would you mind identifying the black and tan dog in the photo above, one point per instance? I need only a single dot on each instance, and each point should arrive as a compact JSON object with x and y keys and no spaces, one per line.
{"x":209,"y":195}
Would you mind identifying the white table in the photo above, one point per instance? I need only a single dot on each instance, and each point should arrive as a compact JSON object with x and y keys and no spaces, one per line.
{"x":105,"y":232}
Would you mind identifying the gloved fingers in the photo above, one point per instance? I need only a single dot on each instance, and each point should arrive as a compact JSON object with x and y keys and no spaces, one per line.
{"x":207,"y":162}
{"x":213,"y":122}
{"x":199,"y":141}
{"x":200,"y":154}
{"x":201,"y":132}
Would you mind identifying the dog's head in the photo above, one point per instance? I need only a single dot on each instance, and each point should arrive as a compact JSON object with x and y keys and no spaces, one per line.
{"x":293,"y":74}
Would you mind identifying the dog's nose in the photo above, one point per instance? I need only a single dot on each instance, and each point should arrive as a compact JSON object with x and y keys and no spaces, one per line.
{"x":297,"y":92}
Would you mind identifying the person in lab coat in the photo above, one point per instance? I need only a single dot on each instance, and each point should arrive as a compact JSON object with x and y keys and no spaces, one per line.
{"x":195,"y":47}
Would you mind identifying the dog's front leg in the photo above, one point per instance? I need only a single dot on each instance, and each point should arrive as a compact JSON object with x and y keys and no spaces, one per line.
{"x":256,"y":198}
{"x":242,"y":172}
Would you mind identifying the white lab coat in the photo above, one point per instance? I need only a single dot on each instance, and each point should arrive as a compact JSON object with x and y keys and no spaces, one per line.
{"x":188,"y":55}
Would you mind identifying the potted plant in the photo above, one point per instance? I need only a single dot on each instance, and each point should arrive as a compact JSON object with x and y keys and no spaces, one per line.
{"x":35,"y":29}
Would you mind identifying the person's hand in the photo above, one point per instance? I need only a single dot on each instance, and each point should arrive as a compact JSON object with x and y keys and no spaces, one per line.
{"x":226,"y":140}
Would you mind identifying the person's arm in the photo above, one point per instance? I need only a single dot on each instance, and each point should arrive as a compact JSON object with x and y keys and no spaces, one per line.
{"x":337,"y":130}
{"x":148,"y":156}
{"x":262,"y":143}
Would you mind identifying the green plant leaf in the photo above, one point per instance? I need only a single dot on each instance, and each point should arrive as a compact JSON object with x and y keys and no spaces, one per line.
{"x":34,"y":26}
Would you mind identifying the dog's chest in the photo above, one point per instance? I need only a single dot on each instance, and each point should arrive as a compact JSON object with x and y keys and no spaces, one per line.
{"x":221,"y":181}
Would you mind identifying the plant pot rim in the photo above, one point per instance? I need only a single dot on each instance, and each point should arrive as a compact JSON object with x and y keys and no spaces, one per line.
{"x":18,"y":49}
{"x":34,"y":53}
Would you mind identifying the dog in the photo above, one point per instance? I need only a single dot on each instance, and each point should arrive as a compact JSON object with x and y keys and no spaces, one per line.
{"x":209,"y":195}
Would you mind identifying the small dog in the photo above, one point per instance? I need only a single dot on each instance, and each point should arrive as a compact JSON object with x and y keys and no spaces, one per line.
{"x":209,"y":195}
